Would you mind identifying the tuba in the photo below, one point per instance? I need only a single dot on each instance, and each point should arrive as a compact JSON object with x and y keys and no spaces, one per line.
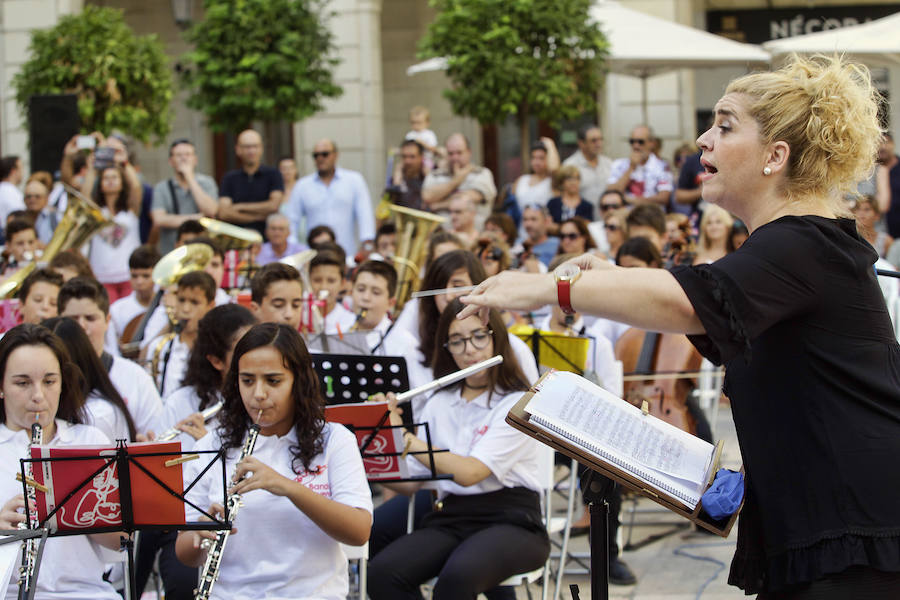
{"x":81,"y":220}
{"x":413,"y":229}
{"x":237,"y":242}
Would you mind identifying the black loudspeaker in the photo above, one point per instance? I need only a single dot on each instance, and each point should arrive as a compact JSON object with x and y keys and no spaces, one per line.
{"x":53,"y":121}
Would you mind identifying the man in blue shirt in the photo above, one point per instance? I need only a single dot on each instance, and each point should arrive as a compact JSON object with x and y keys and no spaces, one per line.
{"x":535,"y":221}
{"x":335,"y":197}
{"x":250,"y":194}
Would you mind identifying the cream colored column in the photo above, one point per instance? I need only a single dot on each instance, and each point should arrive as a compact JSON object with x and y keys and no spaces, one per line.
{"x":355,"y":121}
{"x":17,"y":19}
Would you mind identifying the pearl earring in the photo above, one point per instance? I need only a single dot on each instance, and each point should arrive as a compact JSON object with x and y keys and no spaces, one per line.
{"x":767,"y":171}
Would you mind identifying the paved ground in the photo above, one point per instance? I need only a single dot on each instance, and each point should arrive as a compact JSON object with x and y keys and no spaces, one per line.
{"x":682,"y":566}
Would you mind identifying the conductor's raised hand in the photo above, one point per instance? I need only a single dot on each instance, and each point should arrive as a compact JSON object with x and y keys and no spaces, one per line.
{"x":512,"y":290}
{"x":256,"y":475}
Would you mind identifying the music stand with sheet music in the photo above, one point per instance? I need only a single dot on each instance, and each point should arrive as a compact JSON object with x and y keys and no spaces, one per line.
{"x":133,"y":488}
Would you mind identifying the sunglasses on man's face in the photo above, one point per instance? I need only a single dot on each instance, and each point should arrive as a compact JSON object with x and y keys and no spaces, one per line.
{"x":637,"y":141}
{"x":611,"y":227}
{"x":610,"y":206}
{"x":324,"y":154}
{"x":569,"y":236}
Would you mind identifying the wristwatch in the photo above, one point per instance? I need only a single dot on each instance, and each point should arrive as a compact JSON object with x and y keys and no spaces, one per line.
{"x":566,"y":275}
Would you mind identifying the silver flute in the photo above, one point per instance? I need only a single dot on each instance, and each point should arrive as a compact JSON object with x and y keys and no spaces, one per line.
{"x":451,"y":378}
{"x":208,"y":414}
{"x":210,"y":572}
{"x":30,"y":546}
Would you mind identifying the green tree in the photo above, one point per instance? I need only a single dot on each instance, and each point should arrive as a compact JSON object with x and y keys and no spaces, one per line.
{"x":518,"y":57}
{"x":122,"y":80}
{"x":267,"y":60}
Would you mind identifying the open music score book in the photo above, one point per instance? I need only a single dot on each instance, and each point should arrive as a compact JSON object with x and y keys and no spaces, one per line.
{"x":609,"y":435}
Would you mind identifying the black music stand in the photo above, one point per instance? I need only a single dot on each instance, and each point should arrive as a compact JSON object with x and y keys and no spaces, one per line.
{"x":118,"y":462}
{"x":354,"y":343}
{"x":347,"y":378}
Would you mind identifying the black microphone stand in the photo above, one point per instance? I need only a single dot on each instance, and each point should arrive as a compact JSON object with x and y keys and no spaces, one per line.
{"x":597,"y":489}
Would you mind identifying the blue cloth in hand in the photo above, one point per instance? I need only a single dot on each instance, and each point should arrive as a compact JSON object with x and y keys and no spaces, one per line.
{"x":724,"y":496}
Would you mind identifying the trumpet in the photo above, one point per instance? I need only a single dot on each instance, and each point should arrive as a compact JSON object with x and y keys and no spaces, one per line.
{"x":208,"y":414}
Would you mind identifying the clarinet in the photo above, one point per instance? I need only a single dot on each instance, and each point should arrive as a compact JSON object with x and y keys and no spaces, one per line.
{"x":30,"y":546}
{"x":210,"y":572}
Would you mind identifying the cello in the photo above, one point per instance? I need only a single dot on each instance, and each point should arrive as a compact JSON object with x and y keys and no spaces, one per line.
{"x":657,"y":368}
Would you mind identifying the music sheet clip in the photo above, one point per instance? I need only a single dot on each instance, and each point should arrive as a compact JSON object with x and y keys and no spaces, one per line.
{"x":183,"y":459}
{"x":645,"y":408}
{"x":32,"y":483}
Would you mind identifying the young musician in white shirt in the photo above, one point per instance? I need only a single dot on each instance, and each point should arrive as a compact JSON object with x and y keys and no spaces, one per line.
{"x":196,"y":296}
{"x":373,"y":292}
{"x":124,"y":310}
{"x":85,"y":301}
{"x":37,"y":383}
{"x":489,"y":527}
{"x":326,"y":274}
{"x":276,"y":295}
{"x":304,"y":490}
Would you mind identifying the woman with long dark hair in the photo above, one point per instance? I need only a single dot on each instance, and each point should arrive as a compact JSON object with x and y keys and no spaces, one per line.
{"x":492,"y":504}
{"x":217,"y":334}
{"x":113,"y":195}
{"x":104,"y":406}
{"x":39,"y":383}
{"x":303,"y":489}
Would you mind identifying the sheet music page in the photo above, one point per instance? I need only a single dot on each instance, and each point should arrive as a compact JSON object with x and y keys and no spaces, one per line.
{"x":614,"y":424}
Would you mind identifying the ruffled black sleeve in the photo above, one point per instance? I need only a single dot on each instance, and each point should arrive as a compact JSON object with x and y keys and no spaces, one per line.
{"x":773,"y":277}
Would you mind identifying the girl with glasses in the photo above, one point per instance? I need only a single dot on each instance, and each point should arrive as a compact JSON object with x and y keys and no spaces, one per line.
{"x":492,"y":504}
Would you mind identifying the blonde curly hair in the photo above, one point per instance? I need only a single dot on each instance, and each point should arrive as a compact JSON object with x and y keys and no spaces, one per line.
{"x":826,"y":109}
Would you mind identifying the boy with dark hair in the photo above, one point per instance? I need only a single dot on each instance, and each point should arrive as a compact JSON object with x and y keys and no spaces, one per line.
{"x":326,"y":274}
{"x":195,"y":296}
{"x":276,"y":295}
{"x":649,"y":221}
{"x":385,"y":242}
{"x":373,"y":292}
{"x":86,"y":302}
{"x":124,"y":310}
{"x":21,"y":241}
{"x":187,"y":231}
{"x":37,"y":296}
{"x":216,"y":269}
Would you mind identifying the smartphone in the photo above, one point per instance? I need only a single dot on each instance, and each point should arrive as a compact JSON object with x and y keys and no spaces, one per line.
{"x":104,"y":157}
{"x":86,"y":142}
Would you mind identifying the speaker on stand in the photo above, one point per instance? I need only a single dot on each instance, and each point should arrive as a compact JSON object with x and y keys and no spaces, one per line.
{"x":53,"y":120}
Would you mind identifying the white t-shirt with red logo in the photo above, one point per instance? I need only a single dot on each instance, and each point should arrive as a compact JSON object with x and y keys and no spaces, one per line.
{"x":478,"y":428}
{"x":278,"y":552}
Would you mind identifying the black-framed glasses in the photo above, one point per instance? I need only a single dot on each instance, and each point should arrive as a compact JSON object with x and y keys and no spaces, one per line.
{"x":569,"y":236}
{"x":610,"y":206}
{"x":480,"y":339}
{"x":323,"y":154}
{"x":638,"y":141}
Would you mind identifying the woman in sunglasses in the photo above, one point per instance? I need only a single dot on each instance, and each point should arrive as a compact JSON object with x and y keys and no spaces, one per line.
{"x":574,"y":237}
{"x":492,"y":504}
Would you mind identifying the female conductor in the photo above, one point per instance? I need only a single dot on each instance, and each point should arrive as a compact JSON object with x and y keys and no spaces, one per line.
{"x":303,"y":490}
{"x":796,"y":316}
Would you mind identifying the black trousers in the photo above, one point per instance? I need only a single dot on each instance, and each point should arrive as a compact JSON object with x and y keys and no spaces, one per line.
{"x":466,"y":548}
{"x":858,"y":583}
{"x":179,"y":580}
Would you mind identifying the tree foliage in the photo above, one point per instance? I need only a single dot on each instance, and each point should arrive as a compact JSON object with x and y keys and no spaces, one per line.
{"x":267,"y":60}
{"x":518,"y":57}
{"x":122,"y":80}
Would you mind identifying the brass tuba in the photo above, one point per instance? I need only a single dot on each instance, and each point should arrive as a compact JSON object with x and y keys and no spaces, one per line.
{"x":413,"y":229}
{"x":81,"y":220}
